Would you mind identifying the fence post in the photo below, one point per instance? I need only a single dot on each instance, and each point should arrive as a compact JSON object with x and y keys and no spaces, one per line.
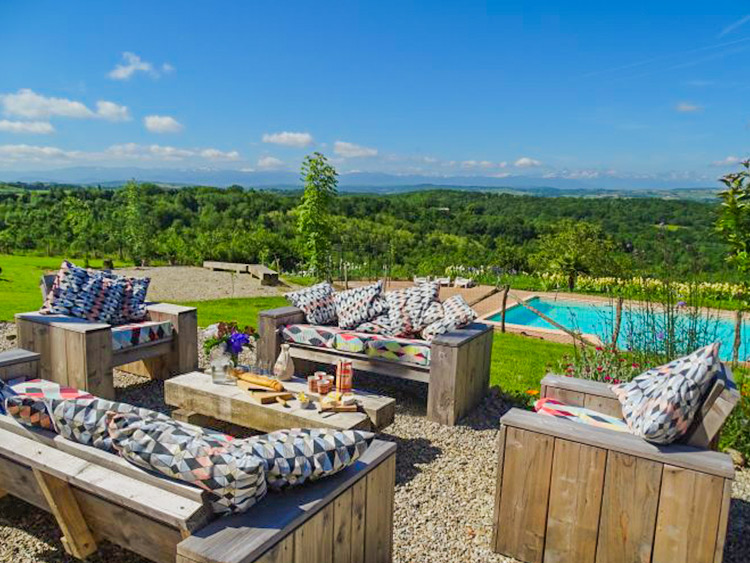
{"x":506,"y":289}
{"x":737,"y":337}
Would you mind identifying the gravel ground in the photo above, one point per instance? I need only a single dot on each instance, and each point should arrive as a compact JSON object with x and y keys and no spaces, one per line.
{"x":189,"y":283}
{"x":445,"y":485}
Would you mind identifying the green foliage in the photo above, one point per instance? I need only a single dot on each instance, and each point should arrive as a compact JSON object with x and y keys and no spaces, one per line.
{"x":139,"y":231}
{"x":734,"y":220}
{"x":314,"y":212}
{"x":572,"y":248}
{"x":735,"y":433}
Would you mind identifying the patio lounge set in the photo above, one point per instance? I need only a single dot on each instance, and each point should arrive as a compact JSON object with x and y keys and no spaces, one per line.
{"x":597,"y":474}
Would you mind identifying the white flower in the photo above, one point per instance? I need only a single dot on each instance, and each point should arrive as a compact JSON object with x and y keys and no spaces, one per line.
{"x":211,"y":331}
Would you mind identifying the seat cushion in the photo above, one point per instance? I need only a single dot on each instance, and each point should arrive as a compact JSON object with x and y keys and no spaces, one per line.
{"x":660,"y":404}
{"x":127,"y":336}
{"x":355,"y":342}
{"x":402,"y":350}
{"x":582,"y":415}
{"x":310,"y":335}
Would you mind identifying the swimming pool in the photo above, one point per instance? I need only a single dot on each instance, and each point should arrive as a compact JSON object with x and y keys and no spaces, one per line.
{"x":598,"y":319}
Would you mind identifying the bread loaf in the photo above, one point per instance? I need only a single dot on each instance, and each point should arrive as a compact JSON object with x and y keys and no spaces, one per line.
{"x":261,"y":380}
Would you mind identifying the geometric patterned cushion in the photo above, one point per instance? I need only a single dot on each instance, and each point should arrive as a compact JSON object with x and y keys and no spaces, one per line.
{"x":129,"y":335}
{"x":43,"y":389}
{"x":456,"y":314}
{"x":69,"y":281}
{"x":6,"y":391}
{"x":316,"y":302}
{"x":360,"y":305}
{"x":133,"y":307}
{"x":403,"y":350}
{"x":85,"y":420}
{"x":295,"y":456}
{"x":355,"y":342}
{"x":660,"y":404}
{"x":310,"y":335}
{"x":29,"y":411}
{"x":552,"y":407}
{"x":410,"y":309}
{"x":233,"y":476}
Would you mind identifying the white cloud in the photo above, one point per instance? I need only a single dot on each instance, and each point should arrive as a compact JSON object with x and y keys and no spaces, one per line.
{"x":289,"y":139}
{"x":734,"y":25}
{"x":482,"y":164}
{"x":29,"y":105}
{"x":162,"y":124}
{"x":269,"y":163}
{"x":526,"y":162}
{"x":350,"y":150}
{"x":216,"y":154}
{"x":687,"y":107}
{"x":33,"y":127}
{"x":112,"y":111}
{"x":31,"y":153}
{"x":728,"y":161}
{"x":133,"y":64}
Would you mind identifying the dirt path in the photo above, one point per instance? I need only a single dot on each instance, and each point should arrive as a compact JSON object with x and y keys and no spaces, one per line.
{"x":190,"y":283}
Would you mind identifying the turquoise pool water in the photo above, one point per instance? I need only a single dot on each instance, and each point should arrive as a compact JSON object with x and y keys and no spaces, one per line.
{"x":598,"y":319}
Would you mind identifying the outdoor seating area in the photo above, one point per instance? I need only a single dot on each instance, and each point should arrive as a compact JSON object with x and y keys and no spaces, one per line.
{"x":598,"y":473}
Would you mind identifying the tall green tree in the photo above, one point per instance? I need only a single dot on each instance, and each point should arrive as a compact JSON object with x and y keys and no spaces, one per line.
{"x":734,"y":218}
{"x":139,"y":229}
{"x":573,"y":248}
{"x":83,"y":225}
{"x":314,"y":212}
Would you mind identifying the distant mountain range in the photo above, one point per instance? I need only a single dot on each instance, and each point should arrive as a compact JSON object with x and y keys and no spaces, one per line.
{"x":369,"y":182}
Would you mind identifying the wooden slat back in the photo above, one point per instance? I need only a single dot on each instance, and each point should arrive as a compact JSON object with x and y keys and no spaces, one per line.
{"x":716,"y":408}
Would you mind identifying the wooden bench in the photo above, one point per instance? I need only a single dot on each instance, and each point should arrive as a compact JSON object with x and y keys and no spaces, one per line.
{"x":96,"y":496}
{"x":572,"y":492}
{"x":79,"y":353}
{"x":266,"y":275}
{"x":458,"y":374}
{"x":226,"y":266}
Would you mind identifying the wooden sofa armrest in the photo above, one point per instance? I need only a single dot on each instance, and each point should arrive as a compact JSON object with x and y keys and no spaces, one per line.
{"x":461,"y":336}
{"x":184,"y":354}
{"x":576,"y":392}
{"x":18,"y":363}
{"x":269,"y":322}
{"x":678,"y":455}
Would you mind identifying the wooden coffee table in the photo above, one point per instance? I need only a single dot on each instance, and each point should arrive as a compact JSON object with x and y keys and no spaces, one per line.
{"x":197,"y":397}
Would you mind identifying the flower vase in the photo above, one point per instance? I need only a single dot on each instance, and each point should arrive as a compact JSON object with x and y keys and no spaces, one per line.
{"x":221,"y":367}
{"x":283,"y":369}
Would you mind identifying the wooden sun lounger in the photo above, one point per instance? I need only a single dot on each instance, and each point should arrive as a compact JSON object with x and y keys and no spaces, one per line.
{"x":97,"y":496}
{"x":572,"y":492}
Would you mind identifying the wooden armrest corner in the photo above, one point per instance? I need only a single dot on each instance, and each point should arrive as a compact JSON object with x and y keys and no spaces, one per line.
{"x":461,"y":336}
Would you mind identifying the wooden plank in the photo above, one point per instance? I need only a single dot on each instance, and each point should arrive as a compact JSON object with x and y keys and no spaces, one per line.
{"x":584,"y":386}
{"x":102,"y":458}
{"x":603,"y":405}
{"x":680,"y":455}
{"x":361,"y":362}
{"x":158,"y":503}
{"x":342,"y":528}
{"x":29,"y":370}
{"x":462,"y":336}
{"x":498,"y":484}
{"x":17,"y":356}
{"x":269,"y":343}
{"x":226,"y":266}
{"x":523,"y":505}
{"x":381,"y":485}
{"x":628,"y":510}
{"x":359,"y":503}
{"x":98,"y":363}
{"x":282,"y":552}
{"x":184,"y":355}
{"x":688,"y":517}
{"x":266,"y":275}
{"x":195,"y":392}
{"x":21,"y":480}
{"x":77,"y":538}
{"x":567,"y":396}
{"x":441,"y":394}
{"x":313,"y":541}
{"x":721,"y":533}
{"x":126,"y":356}
{"x":574,"y":502}
{"x":243,"y":538}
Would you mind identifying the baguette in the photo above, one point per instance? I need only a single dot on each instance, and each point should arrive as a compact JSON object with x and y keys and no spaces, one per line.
{"x":262,"y":380}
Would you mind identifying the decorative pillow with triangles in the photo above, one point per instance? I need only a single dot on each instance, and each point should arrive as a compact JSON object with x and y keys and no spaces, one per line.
{"x":660,"y":404}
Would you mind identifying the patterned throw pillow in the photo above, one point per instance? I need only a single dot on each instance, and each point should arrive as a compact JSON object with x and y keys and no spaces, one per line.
{"x":582,"y":415}
{"x":234,"y":477}
{"x":295,"y":456}
{"x":660,"y":404}
{"x":410,"y":308}
{"x":360,"y":305}
{"x":456,"y":314}
{"x":68,"y":283}
{"x":29,"y":411}
{"x":134,"y":299}
{"x":316,"y":302}
{"x":6,"y":392}
{"x":32,"y":402}
{"x":378,"y":325}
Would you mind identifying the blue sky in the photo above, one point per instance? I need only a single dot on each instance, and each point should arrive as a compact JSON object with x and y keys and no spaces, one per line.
{"x":550,"y":89}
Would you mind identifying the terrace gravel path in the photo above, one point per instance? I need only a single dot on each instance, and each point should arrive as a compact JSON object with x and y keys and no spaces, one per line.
{"x":445,"y":484}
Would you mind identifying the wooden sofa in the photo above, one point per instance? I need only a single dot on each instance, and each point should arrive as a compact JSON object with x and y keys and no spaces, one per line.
{"x":572,"y":492}
{"x":458,"y":373}
{"x":97,"y":496}
{"x":80,"y":354}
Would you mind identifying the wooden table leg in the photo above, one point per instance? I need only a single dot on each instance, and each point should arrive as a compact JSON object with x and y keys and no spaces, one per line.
{"x":3,"y":492}
{"x":77,"y":539}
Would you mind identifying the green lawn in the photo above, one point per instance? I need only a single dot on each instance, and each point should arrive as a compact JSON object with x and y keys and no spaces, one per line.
{"x":19,"y":281}
{"x":244,"y":310}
